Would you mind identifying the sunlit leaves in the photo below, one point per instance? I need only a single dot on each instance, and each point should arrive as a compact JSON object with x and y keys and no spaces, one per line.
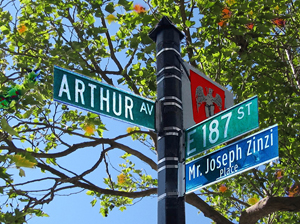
{"x":22,"y":161}
{"x":223,"y":188}
{"x":90,"y":19}
{"x":110,"y":18}
{"x":250,"y":26}
{"x":253,"y":200}
{"x":230,"y":2}
{"x":139,"y":9}
{"x":122,"y":179}
{"x":131,"y":129}
{"x":22,"y":29}
{"x":279,"y":22}
{"x":294,"y":190}
{"x":222,"y":23}
{"x":6,"y":127}
{"x":226,"y":15}
{"x":279,"y":174}
{"x":89,"y":129}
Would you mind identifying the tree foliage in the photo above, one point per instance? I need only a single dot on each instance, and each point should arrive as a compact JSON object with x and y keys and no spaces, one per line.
{"x":250,"y":46}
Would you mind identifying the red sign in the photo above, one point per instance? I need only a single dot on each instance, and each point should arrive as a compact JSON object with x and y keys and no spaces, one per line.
{"x":201,"y":96}
{"x":207,"y":98}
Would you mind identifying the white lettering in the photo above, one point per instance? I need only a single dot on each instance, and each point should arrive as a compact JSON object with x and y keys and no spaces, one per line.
{"x":219,"y":162}
{"x":192,"y":172}
{"x":249,"y":147}
{"x":118,"y":113}
{"x":198,"y":171}
{"x":150,"y":109}
{"x":79,"y":91}
{"x":93,"y":87}
{"x":143,"y":108}
{"x":128,"y":107}
{"x":248,"y":105}
{"x":189,"y":141}
{"x":237,"y":151}
{"x":271,"y":137}
{"x":235,"y":167}
{"x":207,"y":168}
{"x":224,"y":158}
{"x":221,"y":172}
{"x":241,"y":112}
{"x":64,"y":87}
{"x":228,"y":116}
{"x":231,"y":157}
{"x":226,"y":171}
{"x":267,"y":140}
{"x":260,"y":144}
{"x":212,"y":130}
{"x":212,"y":165}
{"x":106,"y":99}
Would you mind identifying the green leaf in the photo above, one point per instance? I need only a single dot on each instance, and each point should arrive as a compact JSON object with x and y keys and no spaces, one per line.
{"x":123,"y":2}
{"x":21,"y":172}
{"x":110,"y":8}
{"x":93,"y":202}
{"x":29,"y":112}
{"x":4,"y":30}
{"x":102,"y":30}
{"x":90,"y":19}
{"x":6,"y":127}
{"x":127,"y":4}
{"x":91,"y":193}
{"x":3,"y":173}
{"x":209,"y":4}
{"x":188,"y":23}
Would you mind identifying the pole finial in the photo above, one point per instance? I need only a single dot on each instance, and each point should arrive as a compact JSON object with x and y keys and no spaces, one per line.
{"x":164,"y":23}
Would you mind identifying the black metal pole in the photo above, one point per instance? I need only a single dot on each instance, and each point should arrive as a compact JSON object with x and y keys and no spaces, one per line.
{"x":169,"y":128}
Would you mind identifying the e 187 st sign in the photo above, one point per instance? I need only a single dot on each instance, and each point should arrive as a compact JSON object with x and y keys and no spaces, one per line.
{"x":88,"y":94}
{"x":222,"y":127}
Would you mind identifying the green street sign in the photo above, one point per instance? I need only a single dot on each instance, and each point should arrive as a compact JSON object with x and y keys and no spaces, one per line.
{"x":222,"y":127}
{"x":91,"y":95}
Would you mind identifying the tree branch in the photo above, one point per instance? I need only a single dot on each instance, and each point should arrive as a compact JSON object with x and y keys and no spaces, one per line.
{"x":267,"y":206}
{"x":232,"y":198}
{"x":73,"y":148}
{"x":136,"y":153}
{"x":186,"y":32}
{"x":86,"y":49}
{"x":76,"y":182}
{"x":295,"y":75}
{"x":207,"y":210}
{"x":114,"y":58}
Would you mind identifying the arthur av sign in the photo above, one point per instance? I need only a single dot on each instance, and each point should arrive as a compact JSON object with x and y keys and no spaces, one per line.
{"x":226,"y":125}
{"x":202,"y":97}
{"x":243,"y":155}
{"x":88,"y":94}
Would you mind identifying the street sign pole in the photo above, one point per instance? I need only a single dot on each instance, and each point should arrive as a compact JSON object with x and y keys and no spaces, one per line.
{"x":170,"y":121}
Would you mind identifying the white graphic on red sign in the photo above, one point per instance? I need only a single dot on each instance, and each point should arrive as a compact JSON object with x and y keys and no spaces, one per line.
{"x":207,"y":99}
